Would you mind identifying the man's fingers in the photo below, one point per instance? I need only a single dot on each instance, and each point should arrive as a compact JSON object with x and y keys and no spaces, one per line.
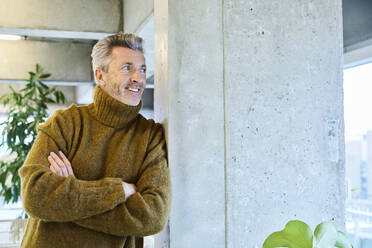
{"x":52,"y":169}
{"x":67,"y":163}
{"x":54,"y":165}
{"x":62,"y":167}
{"x":60,"y":164}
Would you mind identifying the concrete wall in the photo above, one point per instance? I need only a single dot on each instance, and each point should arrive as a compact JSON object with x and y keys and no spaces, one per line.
{"x":66,"y":61}
{"x":254,"y":107}
{"x":136,"y":13}
{"x":71,"y":15}
{"x":284,"y":116}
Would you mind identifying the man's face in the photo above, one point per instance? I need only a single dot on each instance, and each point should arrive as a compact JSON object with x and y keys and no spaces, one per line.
{"x":125,"y":79}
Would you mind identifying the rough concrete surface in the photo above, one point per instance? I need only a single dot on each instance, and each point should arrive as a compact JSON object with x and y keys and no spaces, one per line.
{"x":195,"y":119}
{"x":65,"y":61}
{"x":284,"y":116}
{"x":136,"y":14}
{"x":69,"y":15}
{"x":254,"y":106}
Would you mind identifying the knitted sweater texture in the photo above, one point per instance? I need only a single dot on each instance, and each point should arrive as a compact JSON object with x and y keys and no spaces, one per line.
{"x":107,"y":142}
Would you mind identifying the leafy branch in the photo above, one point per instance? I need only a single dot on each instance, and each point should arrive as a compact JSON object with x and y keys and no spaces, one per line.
{"x":26,"y":110}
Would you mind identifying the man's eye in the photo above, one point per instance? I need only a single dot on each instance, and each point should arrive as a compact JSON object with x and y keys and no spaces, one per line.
{"x":126,"y":68}
{"x":143,"y":70}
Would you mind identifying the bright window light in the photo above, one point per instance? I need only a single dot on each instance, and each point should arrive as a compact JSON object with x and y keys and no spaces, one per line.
{"x":358,"y":101}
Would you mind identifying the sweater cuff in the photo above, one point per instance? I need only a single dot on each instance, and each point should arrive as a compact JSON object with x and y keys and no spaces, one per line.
{"x":118,"y":188}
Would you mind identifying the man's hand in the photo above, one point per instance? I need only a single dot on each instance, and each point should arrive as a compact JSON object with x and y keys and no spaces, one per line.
{"x":59,"y":166}
{"x":129,"y":189}
{"x":63,"y":168}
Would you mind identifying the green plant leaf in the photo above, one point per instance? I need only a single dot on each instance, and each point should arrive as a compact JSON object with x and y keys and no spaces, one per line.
{"x":5,"y":99}
{"x":30,"y":94}
{"x":46,"y":75}
{"x":342,"y":241}
{"x":56,"y":94}
{"x":325,"y":235}
{"x":49,"y":100}
{"x":25,"y":79}
{"x":296,"y":234}
{"x":63,"y":97}
{"x":37,"y":68}
{"x":41,"y":90}
{"x":33,"y":77}
{"x":44,"y":85}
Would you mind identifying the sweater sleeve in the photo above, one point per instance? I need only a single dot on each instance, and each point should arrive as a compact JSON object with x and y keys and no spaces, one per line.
{"x":50,"y":197}
{"x":146,"y":212}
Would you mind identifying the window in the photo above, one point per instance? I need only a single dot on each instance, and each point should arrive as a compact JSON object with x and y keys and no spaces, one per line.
{"x":358,"y":143}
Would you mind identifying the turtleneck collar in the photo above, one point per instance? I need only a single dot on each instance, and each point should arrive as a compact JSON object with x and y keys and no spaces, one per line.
{"x":110,"y":111}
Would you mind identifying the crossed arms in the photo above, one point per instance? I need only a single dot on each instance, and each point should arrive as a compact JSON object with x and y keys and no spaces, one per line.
{"x":107,"y":205}
{"x":62,"y":166}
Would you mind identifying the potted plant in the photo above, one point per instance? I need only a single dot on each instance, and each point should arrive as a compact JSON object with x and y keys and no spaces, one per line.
{"x":297,"y":234}
{"x":26,"y":109}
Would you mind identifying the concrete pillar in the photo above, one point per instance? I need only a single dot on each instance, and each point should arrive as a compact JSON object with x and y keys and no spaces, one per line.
{"x":251,"y":92}
{"x":189,"y":98}
{"x":284,"y":116}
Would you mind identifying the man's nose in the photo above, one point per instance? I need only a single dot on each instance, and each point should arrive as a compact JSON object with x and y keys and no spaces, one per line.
{"x":135,"y":76}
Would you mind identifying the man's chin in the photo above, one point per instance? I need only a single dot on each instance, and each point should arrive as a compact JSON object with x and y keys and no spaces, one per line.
{"x":130,"y":102}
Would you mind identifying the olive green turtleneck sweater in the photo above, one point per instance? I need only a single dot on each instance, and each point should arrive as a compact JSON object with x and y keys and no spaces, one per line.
{"x":107,"y":142}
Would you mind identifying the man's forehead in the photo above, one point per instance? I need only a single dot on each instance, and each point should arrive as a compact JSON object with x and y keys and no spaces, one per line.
{"x":122,"y":52}
{"x":123,"y":55}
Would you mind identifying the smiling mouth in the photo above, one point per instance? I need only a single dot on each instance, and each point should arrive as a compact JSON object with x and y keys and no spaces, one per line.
{"x":133,"y":89}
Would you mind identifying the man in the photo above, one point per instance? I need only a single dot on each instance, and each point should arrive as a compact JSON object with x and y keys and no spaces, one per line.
{"x":97,"y":174}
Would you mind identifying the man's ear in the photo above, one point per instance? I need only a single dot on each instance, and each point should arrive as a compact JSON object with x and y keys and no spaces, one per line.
{"x":99,"y":77}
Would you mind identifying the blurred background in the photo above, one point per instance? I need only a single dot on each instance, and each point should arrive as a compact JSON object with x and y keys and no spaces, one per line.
{"x":59,"y":35}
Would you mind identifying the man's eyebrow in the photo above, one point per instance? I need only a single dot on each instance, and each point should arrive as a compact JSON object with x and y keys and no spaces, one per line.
{"x":130,"y":63}
{"x":127,"y":63}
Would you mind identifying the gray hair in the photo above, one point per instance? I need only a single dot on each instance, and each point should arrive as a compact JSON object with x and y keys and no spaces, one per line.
{"x":102,"y":50}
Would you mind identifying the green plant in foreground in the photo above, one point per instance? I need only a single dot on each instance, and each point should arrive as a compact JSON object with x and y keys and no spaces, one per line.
{"x":26,"y":110}
{"x":298,"y":234}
